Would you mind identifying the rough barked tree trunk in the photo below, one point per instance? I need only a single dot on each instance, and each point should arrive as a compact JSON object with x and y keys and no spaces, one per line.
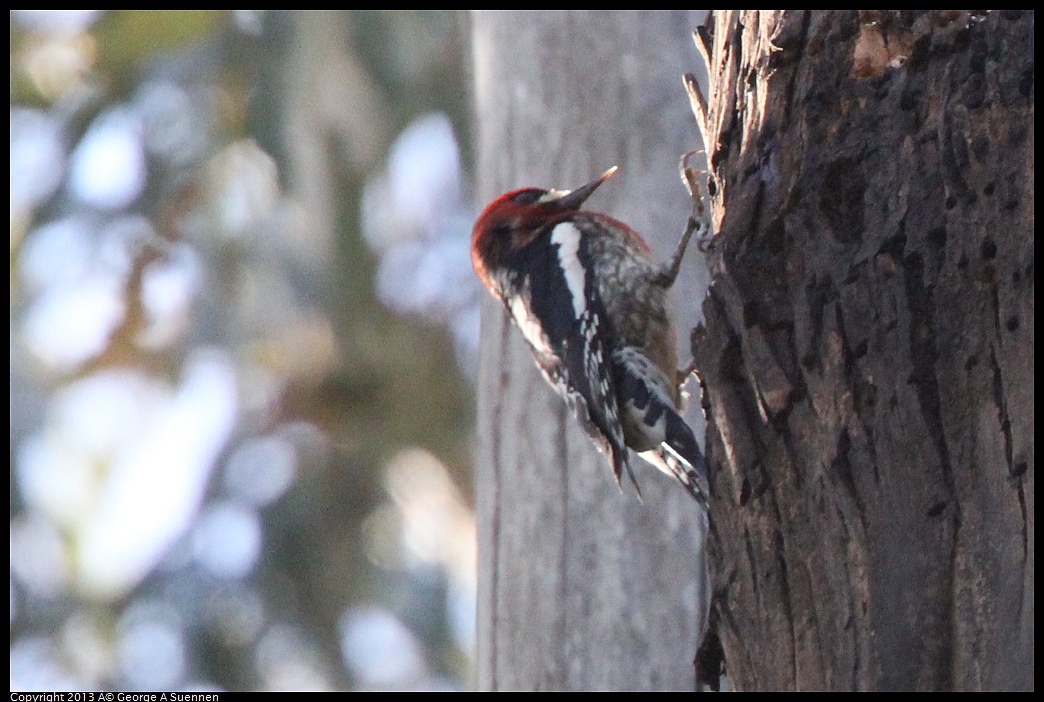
{"x":868,"y":349}
{"x":580,"y":586}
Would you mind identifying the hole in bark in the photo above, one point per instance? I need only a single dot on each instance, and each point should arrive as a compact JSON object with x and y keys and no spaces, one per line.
{"x":922,"y":47}
{"x":989,"y":189}
{"x":951,"y":202}
{"x":962,"y":262}
{"x":745,"y":491}
{"x":936,"y":509}
{"x":841,"y":199}
{"x":972,"y":361}
{"x":937,"y":237}
{"x":1019,"y":468}
{"x":861,"y":348}
{"x":1012,"y":324}
{"x":989,"y":249}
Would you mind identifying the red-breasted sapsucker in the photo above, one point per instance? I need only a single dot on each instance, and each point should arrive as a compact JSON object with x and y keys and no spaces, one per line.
{"x":592,"y":303}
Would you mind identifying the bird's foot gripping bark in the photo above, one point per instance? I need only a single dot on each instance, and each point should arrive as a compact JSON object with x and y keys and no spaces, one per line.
{"x":700,"y":222}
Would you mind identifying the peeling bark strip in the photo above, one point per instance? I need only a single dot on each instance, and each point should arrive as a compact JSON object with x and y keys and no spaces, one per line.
{"x":868,"y":348}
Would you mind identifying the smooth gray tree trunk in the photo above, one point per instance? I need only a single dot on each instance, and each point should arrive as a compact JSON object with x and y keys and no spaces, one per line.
{"x":580,"y":586}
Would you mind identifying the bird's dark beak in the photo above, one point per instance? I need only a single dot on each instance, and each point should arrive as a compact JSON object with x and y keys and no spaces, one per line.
{"x":574,"y":198}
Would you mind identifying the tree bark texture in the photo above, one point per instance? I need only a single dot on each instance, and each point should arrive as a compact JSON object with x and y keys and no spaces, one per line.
{"x":580,"y":586}
{"x":868,"y":350}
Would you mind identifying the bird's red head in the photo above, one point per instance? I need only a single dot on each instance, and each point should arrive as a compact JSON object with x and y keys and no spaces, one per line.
{"x":514,"y":218}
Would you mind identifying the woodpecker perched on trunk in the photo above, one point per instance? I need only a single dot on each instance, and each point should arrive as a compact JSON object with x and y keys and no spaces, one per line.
{"x":592,"y":303}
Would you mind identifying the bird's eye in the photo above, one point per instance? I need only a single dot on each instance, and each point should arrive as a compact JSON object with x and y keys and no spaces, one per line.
{"x":501,"y":229}
{"x":527,"y":197}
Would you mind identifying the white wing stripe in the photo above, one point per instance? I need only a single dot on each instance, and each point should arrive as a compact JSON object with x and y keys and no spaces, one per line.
{"x":567,"y":237}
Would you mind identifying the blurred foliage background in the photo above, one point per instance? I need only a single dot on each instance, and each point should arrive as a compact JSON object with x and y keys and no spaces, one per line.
{"x":243,"y":328}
